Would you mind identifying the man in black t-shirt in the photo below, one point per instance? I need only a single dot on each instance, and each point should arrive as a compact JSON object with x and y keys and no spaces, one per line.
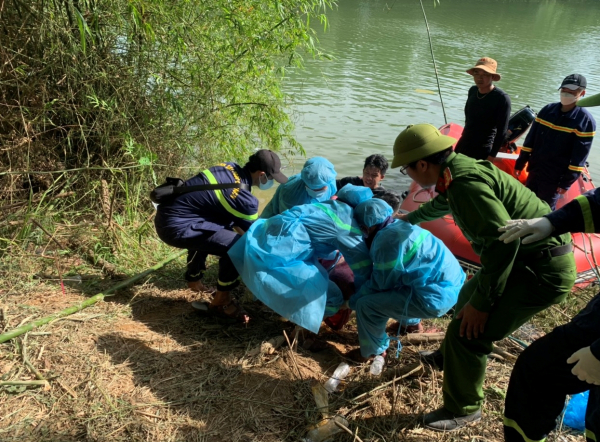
{"x":487,"y":112}
{"x":373,"y":172}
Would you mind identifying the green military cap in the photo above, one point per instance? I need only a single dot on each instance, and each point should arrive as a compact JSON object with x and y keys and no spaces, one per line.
{"x":418,"y":141}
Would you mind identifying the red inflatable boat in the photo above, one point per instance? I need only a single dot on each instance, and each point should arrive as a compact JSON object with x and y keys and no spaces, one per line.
{"x":587,"y":246}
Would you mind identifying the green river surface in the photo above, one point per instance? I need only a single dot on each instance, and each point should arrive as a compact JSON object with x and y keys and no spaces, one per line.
{"x":382,"y":77}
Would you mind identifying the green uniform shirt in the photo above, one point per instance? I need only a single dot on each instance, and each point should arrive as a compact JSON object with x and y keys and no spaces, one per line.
{"x":481,"y":198}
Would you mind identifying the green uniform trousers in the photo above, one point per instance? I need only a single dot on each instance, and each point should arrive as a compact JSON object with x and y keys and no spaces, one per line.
{"x":531,"y":287}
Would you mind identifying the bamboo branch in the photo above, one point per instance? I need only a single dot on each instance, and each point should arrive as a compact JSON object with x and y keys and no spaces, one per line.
{"x":88,"y":302}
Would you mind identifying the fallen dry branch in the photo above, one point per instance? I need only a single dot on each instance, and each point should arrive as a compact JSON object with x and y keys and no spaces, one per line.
{"x":347,"y":430}
{"x":38,"y":383}
{"x":504,"y":353}
{"x":410,"y":370}
{"x":420,"y":338}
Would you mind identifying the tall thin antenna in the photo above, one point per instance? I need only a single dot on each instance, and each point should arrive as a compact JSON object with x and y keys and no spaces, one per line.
{"x":437,"y":78}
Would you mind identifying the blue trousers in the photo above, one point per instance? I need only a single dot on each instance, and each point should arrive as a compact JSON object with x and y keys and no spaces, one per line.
{"x":542,"y":379}
{"x":374,"y":309}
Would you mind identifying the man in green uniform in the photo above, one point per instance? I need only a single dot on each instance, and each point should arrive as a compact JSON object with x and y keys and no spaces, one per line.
{"x":515,"y":281}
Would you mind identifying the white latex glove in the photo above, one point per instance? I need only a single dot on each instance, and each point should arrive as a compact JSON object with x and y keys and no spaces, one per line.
{"x":587,"y":368}
{"x":536,"y":228}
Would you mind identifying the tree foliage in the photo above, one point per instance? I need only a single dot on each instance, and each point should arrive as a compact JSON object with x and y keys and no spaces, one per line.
{"x":107,"y":85}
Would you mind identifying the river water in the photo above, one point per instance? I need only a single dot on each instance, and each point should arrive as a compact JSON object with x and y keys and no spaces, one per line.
{"x":382,"y":77}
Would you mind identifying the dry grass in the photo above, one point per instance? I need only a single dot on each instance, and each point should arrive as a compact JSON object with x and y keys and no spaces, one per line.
{"x":144,"y":367}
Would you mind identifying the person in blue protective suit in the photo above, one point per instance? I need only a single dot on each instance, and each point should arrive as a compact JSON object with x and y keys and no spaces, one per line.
{"x":414,"y":276}
{"x":203,"y":222}
{"x":565,"y":361}
{"x":558,"y":143}
{"x":315,"y":183}
{"x":278,"y":257}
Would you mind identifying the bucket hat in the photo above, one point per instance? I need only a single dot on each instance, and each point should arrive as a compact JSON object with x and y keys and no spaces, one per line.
{"x":418,"y":141}
{"x":487,"y":64}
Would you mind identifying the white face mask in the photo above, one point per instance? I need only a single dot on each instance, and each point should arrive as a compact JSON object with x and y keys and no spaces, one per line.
{"x":317,"y":194}
{"x":567,"y":98}
{"x":264,"y":186}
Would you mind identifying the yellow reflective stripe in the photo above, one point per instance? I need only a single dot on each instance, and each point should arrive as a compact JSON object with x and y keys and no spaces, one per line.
{"x":526,"y":149}
{"x":221,"y":283}
{"x":221,"y":197}
{"x":590,"y":435}
{"x":564,"y":129}
{"x":586,"y":210}
{"x":575,"y":168}
{"x":512,"y":424}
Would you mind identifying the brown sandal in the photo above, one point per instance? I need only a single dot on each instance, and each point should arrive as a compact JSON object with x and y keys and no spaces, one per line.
{"x":219,"y":311}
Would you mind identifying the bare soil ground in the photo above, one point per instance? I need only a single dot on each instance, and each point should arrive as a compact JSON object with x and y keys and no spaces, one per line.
{"x":143,"y":366}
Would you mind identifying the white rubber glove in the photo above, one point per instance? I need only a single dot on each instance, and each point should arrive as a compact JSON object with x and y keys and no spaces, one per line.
{"x":536,"y":228}
{"x":587,"y":368}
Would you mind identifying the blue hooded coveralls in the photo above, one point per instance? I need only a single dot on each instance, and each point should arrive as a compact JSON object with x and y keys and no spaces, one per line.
{"x":414,"y":276}
{"x":278,"y":260}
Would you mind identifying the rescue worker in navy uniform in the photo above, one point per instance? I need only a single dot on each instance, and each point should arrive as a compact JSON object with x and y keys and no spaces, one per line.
{"x":558,"y":143}
{"x":209,"y":222}
{"x":515,"y":281}
{"x":565,"y":361}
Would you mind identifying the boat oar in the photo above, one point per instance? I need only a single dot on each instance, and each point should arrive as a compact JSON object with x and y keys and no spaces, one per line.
{"x":91,"y":301}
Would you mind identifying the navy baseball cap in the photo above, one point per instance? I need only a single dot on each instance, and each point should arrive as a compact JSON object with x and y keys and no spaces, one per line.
{"x":268,"y":162}
{"x":573,"y":81}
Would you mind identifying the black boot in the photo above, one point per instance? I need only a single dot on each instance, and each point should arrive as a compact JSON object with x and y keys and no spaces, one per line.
{"x":434,"y":358}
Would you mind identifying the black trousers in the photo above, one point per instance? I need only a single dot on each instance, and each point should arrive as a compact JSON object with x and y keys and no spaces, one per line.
{"x":200,"y":244}
{"x":544,"y":191}
{"x":542,"y":379}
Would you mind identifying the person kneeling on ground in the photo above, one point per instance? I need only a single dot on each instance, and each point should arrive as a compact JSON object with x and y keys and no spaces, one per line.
{"x":315,"y":183}
{"x":373,"y":173}
{"x":565,"y":361}
{"x":414,"y":276}
{"x":278,"y":257}
{"x":203,"y":222}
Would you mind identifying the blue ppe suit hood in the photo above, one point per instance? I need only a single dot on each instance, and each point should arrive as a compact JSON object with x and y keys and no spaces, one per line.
{"x":372,"y":212}
{"x":277,"y":259}
{"x":316,"y":173}
{"x":354,"y":195}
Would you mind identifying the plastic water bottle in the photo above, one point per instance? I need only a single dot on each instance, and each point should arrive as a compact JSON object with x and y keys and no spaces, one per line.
{"x":325,"y":429}
{"x":377,"y":365}
{"x":338,"y":375}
